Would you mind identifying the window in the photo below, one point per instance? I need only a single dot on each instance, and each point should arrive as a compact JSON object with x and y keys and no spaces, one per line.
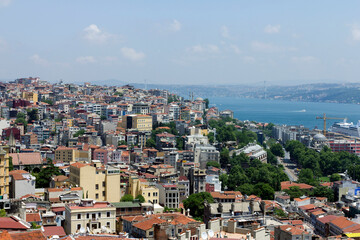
{"x":97,"y":196}
{"x":99,"y":214}
{"x":103,"y":193}
{"x":104,"y":184}
{"x":87,"y":215}
{"x":151,"y":233}
{"x":79,"y":216}
{"x":96,"y":186}
{"x":108,"y":224}
{"x":148,"y":194}
{"x":78,"y":226}
{"x":107,"y":214}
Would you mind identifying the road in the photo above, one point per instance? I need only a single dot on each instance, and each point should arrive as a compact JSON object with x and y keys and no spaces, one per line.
{"x":288,"y":166}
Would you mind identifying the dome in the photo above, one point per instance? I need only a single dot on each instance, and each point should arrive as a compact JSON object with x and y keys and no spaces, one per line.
{"x":319,"y":137}
{"x":199,"y":99}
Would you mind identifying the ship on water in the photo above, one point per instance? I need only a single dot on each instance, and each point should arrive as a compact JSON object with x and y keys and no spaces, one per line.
{"x":346,"y":128}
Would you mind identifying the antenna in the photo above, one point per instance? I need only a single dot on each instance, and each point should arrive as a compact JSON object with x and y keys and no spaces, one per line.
{"x":204,"y":235}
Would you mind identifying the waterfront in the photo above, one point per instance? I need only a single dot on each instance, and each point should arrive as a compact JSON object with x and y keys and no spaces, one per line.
{"x":286,"y":112}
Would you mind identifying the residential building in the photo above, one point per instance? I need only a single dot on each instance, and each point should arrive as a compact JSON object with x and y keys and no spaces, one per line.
{"x":96,"y":216}
{"x":4,"y":171}
{"x":99,"y":182}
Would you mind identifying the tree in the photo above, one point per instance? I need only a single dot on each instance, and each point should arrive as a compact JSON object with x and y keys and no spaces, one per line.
{"x":140,"y":198}
{"x":195,"y":202}
{"x":21,"y":118}
{"x":123,"y":142}
{"x":335,"y":177}
{"x":264,"y":190}
{"x":43,"y":178}
{"x":213,"y":164}
{"x":180,"y":143}
{"x":224,"y":157}
{"x":271,"y":157}
{"x":150,"y":143}
{"x":33,"y":115}
{"x":2,"y":213}
{"x":206,"y":100}
{"x":246,"y":188}
{"x":277,"y":150}
{"x":11,"y":166}
{"x":294,"y":192}
{"x":322,"y":191}
{"x":211,"y":137}
{"x":80,"y":132}
{"x":102,"y":117}
{"x":34,"y":225}
{"x":127,"y":198}
{"x":307,"y":176}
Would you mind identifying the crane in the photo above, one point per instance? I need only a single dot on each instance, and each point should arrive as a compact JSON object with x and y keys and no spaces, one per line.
{"x":325,"y":118}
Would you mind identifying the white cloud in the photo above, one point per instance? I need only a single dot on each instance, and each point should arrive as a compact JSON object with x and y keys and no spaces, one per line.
{"x":39,"y":60}
{"x":132,"y":54}
{"x":355,"y":32}
{"x":92,"y":33}
{"x":235,"y":48}
{"x":208,"y":48}
{"x":249,"y":59}
{"x":268,"y":47}
{"x":304,"y":59}
{"x":225,"y":32}
{"x":272,"y":29}
{"x":5,"y":3}
{"x":85,"y":59}
{"x":175,"y":26}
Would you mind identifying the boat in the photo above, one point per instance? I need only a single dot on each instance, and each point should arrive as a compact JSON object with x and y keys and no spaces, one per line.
{"x":346,"y":128}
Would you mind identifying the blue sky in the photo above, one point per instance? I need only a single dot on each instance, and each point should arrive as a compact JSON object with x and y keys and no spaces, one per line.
{"x":181,"y":42}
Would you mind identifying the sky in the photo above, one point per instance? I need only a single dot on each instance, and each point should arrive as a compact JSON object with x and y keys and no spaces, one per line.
{"x":181,"y":42}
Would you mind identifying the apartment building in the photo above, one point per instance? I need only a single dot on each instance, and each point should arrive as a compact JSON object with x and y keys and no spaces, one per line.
{"x":96,"y":216}
{"x":143,"y":123}
{"x":4,"y":170}
{"x":99,"y":182}
{"x":140,"y":186}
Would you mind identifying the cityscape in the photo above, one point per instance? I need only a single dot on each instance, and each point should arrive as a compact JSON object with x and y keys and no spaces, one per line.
{"x":179,"y":120}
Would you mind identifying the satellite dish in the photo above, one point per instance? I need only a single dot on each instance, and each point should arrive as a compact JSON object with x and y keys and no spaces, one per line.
{"x":204,"y":235}
{"x":211,"y":233}
{"x":82,"y":230}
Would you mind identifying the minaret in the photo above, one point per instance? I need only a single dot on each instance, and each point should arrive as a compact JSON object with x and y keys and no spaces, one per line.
{"x":12,"y":142}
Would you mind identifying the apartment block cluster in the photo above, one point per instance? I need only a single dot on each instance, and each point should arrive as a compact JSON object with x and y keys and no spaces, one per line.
{"x":150,"y":147}
{"x":107,"y":142}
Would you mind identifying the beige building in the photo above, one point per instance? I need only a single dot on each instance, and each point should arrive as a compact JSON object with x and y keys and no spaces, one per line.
{"x":141,"y":186}
{"x":143,"y":123}
{"x":98,"y":217}
{"x":4,"y":170}
{"x":30,"y":96}
{"x":67,"y":154}
{"x":99,"y":182}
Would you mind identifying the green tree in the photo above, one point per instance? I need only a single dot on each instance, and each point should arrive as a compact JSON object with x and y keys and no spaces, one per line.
{"x":264,"y":190}
{"x":11,"y":166}
{"x":211,"y":137}
{"x":102,"y":117}
{"x":335,"y":177}
{"x":180,"y":143}
{"x":224,"y":157}
{"x":246,"y":188}
{"x":150,"y":143}
{"x":294,"y":192}
{"x":127,"y":198}
{"x":79,"y":133}
{"x":43,"y":178}
{"x":213,"y":164}
{"x":195,"y":202}
{"x":34,"y":226}
{"x":33,"y":115}
{"x":2,"y":213}
{"x":123,"y":142}
{"x":322,"y":191}
{"x":280,"y":213}
{"x":271,"y":157}
{"x":206,"y":100}
{"x":307,"y":176}
{"x":224,"y":180}
{"x":140,"y":198}
{"x":277,"y":150}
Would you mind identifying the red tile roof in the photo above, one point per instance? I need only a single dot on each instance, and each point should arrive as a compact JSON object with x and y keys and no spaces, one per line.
{"x":33,"y":217}
{"x":32,"y":158}
{"x":54,"y":230}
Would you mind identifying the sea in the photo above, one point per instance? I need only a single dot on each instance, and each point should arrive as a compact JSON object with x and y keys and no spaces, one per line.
{"x":287,"y":112}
